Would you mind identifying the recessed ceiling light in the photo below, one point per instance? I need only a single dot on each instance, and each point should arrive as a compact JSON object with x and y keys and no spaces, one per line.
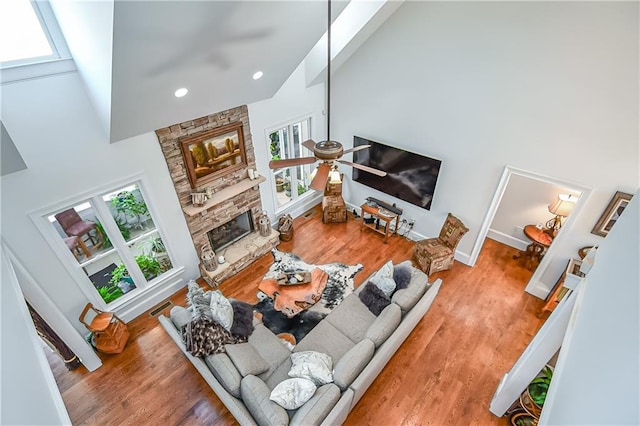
{"x":181,"y":92}
{"x":258,"y":75}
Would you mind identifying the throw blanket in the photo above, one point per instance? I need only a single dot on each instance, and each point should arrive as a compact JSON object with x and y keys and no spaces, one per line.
{"x":203,"y":336}
{"x":339,"y":285}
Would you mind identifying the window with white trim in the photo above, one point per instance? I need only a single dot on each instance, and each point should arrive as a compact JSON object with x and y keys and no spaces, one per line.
{"x":290,"y":183}
{"x":111,"y":242}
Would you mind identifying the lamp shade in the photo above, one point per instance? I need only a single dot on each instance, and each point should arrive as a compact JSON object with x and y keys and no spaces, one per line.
{"x":563,"y":205}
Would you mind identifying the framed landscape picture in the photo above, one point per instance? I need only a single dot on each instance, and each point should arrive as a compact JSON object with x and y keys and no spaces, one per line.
{"x":611,"y":214}
{"x":214,"y":153}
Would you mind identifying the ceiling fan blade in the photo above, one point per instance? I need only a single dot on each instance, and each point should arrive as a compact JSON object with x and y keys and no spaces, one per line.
{"x":309,"y":144}
{"x":365,"y":168}
{"x":319,"y":182}
{"x":356,"y":148}
{"x":277,"y":164}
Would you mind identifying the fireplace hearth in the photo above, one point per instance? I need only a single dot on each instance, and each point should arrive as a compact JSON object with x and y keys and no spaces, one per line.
{"x":231,"y":231}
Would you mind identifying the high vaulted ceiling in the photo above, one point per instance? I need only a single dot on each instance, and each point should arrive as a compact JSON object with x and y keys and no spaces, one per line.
{"x":133,"y":55}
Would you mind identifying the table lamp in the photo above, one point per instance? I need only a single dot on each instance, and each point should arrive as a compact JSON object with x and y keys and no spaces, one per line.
{"x":560,"y":208}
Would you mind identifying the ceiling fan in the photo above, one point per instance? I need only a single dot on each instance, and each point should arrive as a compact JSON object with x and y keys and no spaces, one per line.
{"x":326,"y":151}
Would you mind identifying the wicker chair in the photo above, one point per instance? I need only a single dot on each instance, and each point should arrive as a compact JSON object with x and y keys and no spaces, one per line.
{"x":334,"y":209}
{"x":436,"y":254}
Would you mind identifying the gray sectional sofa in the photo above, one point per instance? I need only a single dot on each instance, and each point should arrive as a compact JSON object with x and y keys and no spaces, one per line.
{"x":359,"y":343}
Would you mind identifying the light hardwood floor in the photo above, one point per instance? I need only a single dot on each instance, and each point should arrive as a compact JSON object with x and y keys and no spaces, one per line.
{"x":445,"y":373}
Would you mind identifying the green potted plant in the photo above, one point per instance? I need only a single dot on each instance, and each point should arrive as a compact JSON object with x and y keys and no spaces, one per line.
{"x":154,"y":246}
{"x":110,"y":293}
{"x":149,"y":265}
{"x":536,"y":392}
{"x":127,"y":204}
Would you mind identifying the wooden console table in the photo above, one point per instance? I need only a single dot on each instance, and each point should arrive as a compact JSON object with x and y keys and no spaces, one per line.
{"x":387,"y":218}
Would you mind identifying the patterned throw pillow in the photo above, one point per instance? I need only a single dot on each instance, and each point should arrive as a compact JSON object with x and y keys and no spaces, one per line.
{"x":291,"y":394}
{"x":312,"y":365}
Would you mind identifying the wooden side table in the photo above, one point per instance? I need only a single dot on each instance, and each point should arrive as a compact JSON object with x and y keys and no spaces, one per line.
{"x":540,"y":242}
{"x":381,"y":228}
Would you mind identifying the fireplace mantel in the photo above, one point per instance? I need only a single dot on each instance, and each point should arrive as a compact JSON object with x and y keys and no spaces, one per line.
{"x":224,"y":195}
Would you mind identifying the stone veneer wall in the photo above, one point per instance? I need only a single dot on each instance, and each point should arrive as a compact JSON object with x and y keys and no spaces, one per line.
{"x":170,"y":138}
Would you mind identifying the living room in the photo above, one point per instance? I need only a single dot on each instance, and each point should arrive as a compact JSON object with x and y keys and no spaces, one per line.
{"x":546,"y":87}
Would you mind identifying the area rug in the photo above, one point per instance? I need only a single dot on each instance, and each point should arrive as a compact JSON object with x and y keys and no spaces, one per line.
{"x":339,"y":285}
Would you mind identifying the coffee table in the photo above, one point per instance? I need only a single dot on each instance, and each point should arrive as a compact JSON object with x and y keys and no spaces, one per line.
{"x":293,"y":299}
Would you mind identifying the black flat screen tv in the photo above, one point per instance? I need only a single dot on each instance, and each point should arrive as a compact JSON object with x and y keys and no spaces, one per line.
{"x":410,"y":177}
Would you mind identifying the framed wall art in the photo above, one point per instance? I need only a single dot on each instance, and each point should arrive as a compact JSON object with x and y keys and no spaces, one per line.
{"x":214,"y":153}
{"x":611,"y":214}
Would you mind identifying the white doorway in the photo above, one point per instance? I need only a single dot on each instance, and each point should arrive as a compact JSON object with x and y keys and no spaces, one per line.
{"x":513,"y":175}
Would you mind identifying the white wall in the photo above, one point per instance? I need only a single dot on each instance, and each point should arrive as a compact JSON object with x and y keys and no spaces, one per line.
{"x":292,"y":101}
{"x":525,"y":202}
{"x":548,"y":87}
{"x":597,"y":376}
{"x":52,"y":123}
{"x":29,"y":392}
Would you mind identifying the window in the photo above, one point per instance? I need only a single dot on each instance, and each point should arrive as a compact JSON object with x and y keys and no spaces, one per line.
{"x":22,"y":35}
{"x":112,"y":243}
{"x":284,"y":143}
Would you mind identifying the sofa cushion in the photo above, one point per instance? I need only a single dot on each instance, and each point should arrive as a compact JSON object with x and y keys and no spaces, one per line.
{"x":351,"y":318}
{"x":255,"y":395}
{"x":327,"y":339}
{"x":402,"y":273}
{"x":269,"y":347}
{"x":180,"y":316}
{"x":246,"y":359}
{"x":408,"y":297}
{"x":314,"y":411}
{"x":279,"y":374}
{"x":384,"y":325}
{"x":225,"y":372}
{"x":291,"y":394}
{"x":374,"y":298}
{"x":352,"y":363}
{"x":312,"y":365}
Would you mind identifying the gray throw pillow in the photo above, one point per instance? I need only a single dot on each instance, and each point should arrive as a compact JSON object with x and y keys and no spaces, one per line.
{"x":374,"y":298}
{"x":246,"y":359}
{"x":402,"y":274}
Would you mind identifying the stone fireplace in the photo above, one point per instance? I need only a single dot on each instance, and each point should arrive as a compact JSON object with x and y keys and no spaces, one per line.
{"x":228,"y":233}
{"x":234,"y":195}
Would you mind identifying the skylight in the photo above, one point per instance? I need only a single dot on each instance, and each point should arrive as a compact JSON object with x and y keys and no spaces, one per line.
{"x":22,"y":36}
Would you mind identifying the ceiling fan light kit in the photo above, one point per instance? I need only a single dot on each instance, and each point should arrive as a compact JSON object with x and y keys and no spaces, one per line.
{"x":328,"y":151}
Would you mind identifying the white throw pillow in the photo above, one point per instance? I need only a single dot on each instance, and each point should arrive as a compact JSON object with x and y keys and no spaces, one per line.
{"x":293,"y":393}
{"x":221,"y":310}
{"x":385,"y":284}
{"x":385,"y":271}
{"x":312,"y":365}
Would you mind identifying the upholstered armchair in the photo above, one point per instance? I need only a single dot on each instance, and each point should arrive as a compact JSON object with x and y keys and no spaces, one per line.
{"x":334,"y":209}
{"x":74,"y":226}
{"x":436,"y":254}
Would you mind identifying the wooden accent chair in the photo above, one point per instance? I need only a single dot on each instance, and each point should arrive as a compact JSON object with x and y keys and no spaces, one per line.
{"x":334,"y":209}
{"x":74,"y":226}
{"x":436,"y":254}
{"x":109,"y":331}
